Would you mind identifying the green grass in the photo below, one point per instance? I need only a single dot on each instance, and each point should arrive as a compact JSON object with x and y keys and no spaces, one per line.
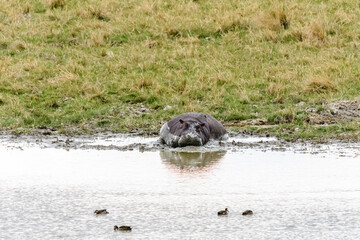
{"x":84,"y":65}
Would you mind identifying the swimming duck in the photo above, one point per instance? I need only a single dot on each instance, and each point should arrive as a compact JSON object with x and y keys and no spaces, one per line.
{"x":102,"y":211}
{"x":122,"y":228}
{"x":223,"y":212}
{"x":247,"y":212}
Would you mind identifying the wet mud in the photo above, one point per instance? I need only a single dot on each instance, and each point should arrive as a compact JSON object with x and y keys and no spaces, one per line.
{"x":330,"y":113}
{"x":133,"y":142}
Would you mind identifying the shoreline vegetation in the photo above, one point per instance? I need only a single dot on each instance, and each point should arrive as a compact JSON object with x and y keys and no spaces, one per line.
{"x":286,"y":69}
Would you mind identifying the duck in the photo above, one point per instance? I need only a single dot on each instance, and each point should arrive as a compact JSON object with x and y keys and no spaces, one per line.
{"x":223,"y":212}
{"x":102,"y":211}
{"x":122,"y":228}
{"x":247,"y":212}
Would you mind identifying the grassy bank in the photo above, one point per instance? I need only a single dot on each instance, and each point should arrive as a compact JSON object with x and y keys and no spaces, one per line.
{"x":127,"y":65}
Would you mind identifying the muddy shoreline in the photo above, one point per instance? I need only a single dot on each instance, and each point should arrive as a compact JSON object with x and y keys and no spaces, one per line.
{"x":150,"y":143}
{"x":70,"y":137}
{"x":51,"y":133}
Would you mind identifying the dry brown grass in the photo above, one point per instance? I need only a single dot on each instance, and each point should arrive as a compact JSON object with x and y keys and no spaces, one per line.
{"x":92,"y":90}
{"x":26,"y":9}
{"x":18,"y":45}
{"x":219,"y":57}
{"x":97,"y":39}
{"x":274,"y":19}
{"x":98,"y":13}
{"x":64,"y":77}
{"x":320,"y":84}
{"x":57,"y":3}
{"x":316,"y":31}
{"x":276,"y":90}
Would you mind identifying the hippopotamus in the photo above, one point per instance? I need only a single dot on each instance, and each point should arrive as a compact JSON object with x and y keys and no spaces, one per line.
{"x":191,"y":128}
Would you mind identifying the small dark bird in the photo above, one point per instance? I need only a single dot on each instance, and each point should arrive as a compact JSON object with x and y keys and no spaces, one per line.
{"x":122,"y":228}
{"x":102,"y":211}
{"x":223,"y":212}
{"x":247,"y":212}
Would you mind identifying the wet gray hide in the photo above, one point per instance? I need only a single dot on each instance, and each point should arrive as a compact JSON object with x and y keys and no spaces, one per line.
{"x":192,"y":128}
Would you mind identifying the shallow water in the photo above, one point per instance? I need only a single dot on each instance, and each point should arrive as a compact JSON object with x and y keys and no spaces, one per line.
{"x":49,"y":189}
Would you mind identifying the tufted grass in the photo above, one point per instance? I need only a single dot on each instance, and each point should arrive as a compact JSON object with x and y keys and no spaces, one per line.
{"x":84,"y":65}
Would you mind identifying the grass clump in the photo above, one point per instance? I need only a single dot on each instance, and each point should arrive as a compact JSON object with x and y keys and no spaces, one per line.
{"x":57,"y":4}
{"x":275,"y":19}
{"x":320,"y":84}
{"x":97,"y":13}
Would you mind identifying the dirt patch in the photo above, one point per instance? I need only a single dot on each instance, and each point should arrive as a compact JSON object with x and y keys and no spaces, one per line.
{"x":247,"y":122}
{"x":139,"y":109}
{"x":329,"y":113}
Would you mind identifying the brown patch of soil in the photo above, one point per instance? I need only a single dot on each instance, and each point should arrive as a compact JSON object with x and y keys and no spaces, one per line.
{"x":251,"y":122}
{"x":334,"y":112}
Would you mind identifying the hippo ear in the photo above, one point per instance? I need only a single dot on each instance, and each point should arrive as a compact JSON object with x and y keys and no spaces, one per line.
{"x":181,"y":121}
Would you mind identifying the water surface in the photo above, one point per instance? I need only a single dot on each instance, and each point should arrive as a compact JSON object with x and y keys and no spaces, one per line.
{"x":299,"y":191}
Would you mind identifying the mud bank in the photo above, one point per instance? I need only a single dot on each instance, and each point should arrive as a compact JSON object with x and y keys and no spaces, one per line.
{"x":133,"y":142}
{"x":334,"y":112}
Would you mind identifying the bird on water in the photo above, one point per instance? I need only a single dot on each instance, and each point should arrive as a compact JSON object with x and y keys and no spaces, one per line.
{"x":102,"y":211}
{"x":122,"y":228}
{"x":223,"y":212}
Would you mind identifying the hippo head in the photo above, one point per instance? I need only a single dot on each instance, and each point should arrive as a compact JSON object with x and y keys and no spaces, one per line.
{"x":191,"y":128}
{"x":192,"y":132}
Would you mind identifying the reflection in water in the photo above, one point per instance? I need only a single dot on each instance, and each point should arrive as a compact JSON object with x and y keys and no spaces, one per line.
{"x":191,"y":161}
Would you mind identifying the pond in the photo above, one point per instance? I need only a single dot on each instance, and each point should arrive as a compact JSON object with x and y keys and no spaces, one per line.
{"x":50,"y":187}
